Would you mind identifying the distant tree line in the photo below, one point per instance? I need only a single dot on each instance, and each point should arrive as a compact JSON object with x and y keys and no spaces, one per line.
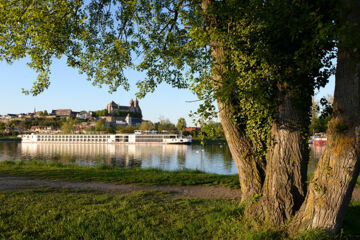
{"x":321,"y":115}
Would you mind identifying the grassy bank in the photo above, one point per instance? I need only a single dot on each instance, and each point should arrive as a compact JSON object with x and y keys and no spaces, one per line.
{"x":10,"y":138}
{"x":64,"y":214}
{"x":104,"y":173}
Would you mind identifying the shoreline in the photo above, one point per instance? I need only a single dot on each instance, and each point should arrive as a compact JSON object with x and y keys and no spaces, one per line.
{"x":9,"y":139}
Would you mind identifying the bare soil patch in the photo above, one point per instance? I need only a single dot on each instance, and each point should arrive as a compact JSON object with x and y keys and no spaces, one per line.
{"x":21,"y":183}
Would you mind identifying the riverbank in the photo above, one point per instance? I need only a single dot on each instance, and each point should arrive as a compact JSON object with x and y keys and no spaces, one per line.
{"x":10,"y":139}
{"x":105,"y":173}
{"x":67,"y":201}
{"x":196,"y":140}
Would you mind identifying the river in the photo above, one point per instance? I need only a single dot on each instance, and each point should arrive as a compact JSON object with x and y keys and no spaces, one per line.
{"x":214,"y":158}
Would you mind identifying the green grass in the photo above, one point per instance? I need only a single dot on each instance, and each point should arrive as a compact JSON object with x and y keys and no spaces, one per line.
{"x":46,"y":213}
{"x":105,"y":173}
{"x":9,"y":138}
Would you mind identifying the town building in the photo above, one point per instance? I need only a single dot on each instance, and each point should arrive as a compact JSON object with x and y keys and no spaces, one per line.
{"x":124,"y":115}
{"x":133,"y":107}
{"x":83,"y":115}
{"x":63,"y":113}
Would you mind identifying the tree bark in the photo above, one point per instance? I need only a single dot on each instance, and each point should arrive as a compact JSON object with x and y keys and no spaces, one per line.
{"x":286,"y":168}
{"x":250,"y":167}
{"x":335,"y":177}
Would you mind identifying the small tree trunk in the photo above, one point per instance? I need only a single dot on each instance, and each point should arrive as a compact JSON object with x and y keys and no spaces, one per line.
{"x":249,"y":167}
{"x":335,"y":177}
{"x":286,"y":168}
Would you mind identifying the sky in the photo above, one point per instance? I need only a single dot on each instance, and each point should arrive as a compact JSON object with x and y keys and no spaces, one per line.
{"x":71,"y":90}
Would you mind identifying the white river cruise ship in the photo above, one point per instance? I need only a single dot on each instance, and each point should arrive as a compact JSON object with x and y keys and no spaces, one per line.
{"x":105,"y":138}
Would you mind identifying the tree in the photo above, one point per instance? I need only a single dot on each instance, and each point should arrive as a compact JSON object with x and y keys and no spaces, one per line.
{"x":68,"y":126}
{"x":319,"y":121}
{"x":101,"y":113}
{"x":110,"y":130}
{"x":164,"y":125}
{"x":213,"y":130}
{"x":89,"y":129}
{"x":146,"y":125}
{"x":181,"y":125}
{"x":338,"y":168}
{"x":100,"y":126}
{"x":259,"y":60}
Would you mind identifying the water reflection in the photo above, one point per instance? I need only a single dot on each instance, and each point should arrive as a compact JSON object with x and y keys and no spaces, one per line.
{"x":315,"y":154}
{"x":212,"y":158}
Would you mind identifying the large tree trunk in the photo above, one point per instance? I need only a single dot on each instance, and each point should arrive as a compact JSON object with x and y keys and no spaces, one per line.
{"x":286,"y":167}
{"x":283,"y":191}
{"x":335,"y":177}
{"x":250,"y":167}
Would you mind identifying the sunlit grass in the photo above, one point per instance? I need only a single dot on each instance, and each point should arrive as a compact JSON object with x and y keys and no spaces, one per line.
{"x":47,"y":213}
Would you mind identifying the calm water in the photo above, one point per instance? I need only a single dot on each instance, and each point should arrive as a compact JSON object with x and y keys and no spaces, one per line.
{"x":211,"y":158}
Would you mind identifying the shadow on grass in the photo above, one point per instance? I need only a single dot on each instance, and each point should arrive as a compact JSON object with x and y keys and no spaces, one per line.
{"x":352,"y":220}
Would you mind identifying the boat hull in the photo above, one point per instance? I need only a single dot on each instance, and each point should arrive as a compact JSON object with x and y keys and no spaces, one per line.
{"x":106,"y":138}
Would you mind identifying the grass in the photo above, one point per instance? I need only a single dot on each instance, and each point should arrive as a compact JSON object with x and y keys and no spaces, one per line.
{"x":105,"y":173}
{"x":10,"y":138}
{"x":47,"y":213}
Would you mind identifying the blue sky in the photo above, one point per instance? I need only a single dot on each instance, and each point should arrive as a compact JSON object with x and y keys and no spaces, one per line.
{"x":71,"y":90}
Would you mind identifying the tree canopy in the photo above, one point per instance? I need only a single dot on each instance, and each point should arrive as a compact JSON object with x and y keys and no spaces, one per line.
{"x":265,"y":44}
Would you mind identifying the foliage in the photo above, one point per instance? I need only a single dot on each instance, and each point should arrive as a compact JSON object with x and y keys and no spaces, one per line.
{"x":146,"y":125}
{"x":327,"y":107}
{"x":45,"y":122}
{"x":100,"y":125}
{"x":265,"y":45}
{"x":126,"y":129}
{"x":164,"y":125}
{"x":118,"y":113}
{"x":68,"y":126}
{"x":100,"y":113}
{"x":44,"y":113}
{"x":90,"y":129}
{"x":41,"y":30}
{"x":212,"y":130}
{"x":319,"y":124}
{"x":181,"y":125}
{"x":110,"y":130}
{"x":320,"y":117}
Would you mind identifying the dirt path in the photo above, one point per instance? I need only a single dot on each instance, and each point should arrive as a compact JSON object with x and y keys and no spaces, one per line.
{"x":20,"y":183}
